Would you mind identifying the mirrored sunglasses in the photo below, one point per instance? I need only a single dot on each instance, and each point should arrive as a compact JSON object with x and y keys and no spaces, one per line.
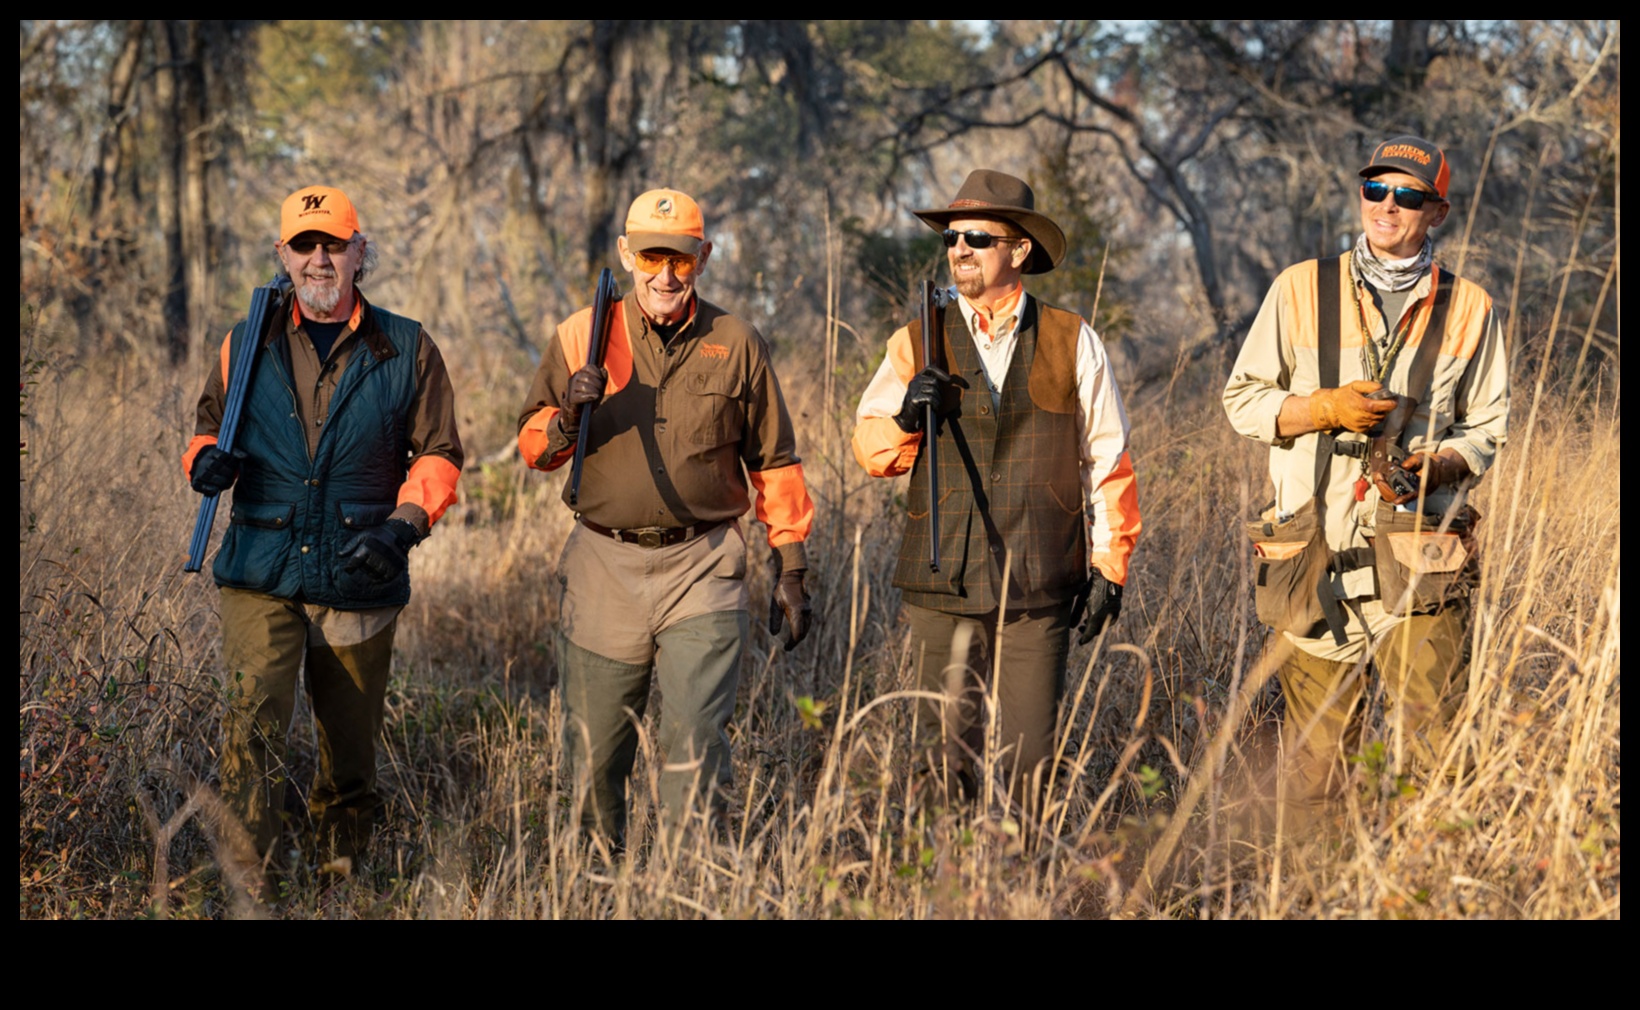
{"x":1406,"y":197}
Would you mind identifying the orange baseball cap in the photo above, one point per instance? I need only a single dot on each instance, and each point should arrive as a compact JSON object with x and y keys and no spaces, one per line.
{"x":665,"y":219}
{"x":317,"y":208}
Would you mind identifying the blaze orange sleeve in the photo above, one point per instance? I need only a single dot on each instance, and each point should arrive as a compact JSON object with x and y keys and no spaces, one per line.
{"x":431,"y":484}
{"x":533,"y":438}
{"x":881,"y":446}
{"x":1113,"y":546}
{"x":208,"y":416}
{"x":783,"y":503}
{"x":195,"y":444}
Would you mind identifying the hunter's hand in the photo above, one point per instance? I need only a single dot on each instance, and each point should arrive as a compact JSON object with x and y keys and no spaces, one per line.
{"x":790,"y":606}
{"x":930,"y":387}
{"x":1104,"y":606}
{"x":380,"y":553}
{"x":1349,"y":408}
{"x":214,"y":470}
{"x":1433,"y":470}
{"x":585,"y":386}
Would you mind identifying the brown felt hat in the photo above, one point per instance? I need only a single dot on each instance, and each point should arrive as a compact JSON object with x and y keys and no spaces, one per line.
{"x":996,"y":194}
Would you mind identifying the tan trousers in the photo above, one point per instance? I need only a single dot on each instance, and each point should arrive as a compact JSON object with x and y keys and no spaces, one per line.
{"x":266,"y":643}
{"x":633,"y":616}
{"x":1418,"y":667}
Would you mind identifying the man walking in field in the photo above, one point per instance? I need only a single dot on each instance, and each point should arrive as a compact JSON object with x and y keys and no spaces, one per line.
{"x":1381,"y":384}
{"x":346,"y":456}
{"x":1034,"y":479}
{"x":689,"y":418}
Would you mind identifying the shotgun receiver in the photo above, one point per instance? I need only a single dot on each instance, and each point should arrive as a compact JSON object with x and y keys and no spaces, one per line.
{"x":1385,"y":454}
{"x":933,"y":302}
{"x":263,"y":302}
{"x":604,"y":300}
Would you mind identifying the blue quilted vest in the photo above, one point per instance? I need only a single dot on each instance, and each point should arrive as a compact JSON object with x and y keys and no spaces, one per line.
{"x":292,"y":513}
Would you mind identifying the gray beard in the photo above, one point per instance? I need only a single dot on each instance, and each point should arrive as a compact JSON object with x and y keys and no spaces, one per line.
{"x":321,"y":301}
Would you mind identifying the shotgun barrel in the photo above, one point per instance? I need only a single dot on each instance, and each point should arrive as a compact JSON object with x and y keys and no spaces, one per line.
{"x":604,"y":300}
{"x":263,"y":302}
{"x":933,"y":344}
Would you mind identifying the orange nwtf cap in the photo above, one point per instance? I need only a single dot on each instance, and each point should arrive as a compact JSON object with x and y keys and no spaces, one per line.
{"x":665,"y":219}
{"x":317,"y":208}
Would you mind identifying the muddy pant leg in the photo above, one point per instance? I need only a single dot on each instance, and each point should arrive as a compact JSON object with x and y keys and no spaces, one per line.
{"x":698,"y":663}
{"x":348,"y":687}
{"x":604,"y":703}
{"x":1422,"y":662}
{"x":950,"y":655}
{"x":263,"y":641}
{"x":1319,"y":732}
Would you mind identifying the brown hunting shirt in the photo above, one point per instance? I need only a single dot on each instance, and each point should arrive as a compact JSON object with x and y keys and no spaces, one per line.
{"x":684,"y":425}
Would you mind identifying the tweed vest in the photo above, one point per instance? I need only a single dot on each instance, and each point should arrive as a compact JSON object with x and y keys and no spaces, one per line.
{"x":292,"y":512}
{"x":1010,"y":478}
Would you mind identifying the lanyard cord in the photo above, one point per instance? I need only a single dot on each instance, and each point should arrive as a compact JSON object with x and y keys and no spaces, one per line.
{"x":1379,"y":370}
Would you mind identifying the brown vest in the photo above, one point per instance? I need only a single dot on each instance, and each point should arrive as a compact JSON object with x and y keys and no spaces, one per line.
{"x":1010,"y":477}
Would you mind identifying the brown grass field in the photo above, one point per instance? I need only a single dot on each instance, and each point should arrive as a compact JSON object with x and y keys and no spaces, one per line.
{"x":1161,"y":808}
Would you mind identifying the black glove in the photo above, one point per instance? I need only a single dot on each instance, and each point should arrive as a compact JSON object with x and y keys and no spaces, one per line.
{"x":1103,"y":603}
{"x":930,"y":387}
{"x":380,"y":553}
{"x":585,"y":386}
{"x":790,"y":605}
{"x":214,"y":470}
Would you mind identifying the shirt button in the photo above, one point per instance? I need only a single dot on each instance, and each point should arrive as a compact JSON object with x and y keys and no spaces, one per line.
{"x":996,"y":475}
{"x":660,"y":469}
{"x":660,"y":428}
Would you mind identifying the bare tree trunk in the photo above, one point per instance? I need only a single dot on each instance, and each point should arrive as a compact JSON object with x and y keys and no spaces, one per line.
{"x":195,"y":120}
{"x":109,"y":229}
{"x":1408,"y":59}
{"x":169,"y":49}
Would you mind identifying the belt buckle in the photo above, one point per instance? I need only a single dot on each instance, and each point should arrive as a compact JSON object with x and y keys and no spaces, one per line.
{"x":650,"y":538}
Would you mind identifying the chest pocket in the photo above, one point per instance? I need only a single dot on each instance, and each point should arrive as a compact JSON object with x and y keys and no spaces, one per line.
{"x":716,"y":414}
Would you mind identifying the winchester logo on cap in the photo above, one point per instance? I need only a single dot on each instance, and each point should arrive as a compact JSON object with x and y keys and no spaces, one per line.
{"x":318,"y":208}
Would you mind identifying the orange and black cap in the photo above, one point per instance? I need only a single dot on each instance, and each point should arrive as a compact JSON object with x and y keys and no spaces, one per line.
{"x":1416,"y":157}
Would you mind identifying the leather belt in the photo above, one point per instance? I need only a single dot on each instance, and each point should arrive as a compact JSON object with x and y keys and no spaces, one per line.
{"x":654,"y":536}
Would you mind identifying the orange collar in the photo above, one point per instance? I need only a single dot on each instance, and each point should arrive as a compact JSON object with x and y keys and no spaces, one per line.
{"x":1002,"y":308}
{"x":352,"y":322}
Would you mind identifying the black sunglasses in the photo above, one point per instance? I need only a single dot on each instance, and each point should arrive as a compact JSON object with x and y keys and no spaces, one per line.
{"x":1406,"y":197}
{"x":975,"y":238}
{"x":302,"y":245}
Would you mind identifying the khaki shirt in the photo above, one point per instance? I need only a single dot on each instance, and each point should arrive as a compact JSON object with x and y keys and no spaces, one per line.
{"x":1467,"y":409}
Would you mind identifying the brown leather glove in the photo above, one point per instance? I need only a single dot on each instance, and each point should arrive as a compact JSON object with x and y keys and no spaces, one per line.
{"x":790,"y":606}
{"x":1348,"y":407}
{"x":585,"y":386}
{"x":1434,"y":469}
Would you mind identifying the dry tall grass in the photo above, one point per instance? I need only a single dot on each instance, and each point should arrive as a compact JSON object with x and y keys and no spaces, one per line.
{"x":118,"y":705}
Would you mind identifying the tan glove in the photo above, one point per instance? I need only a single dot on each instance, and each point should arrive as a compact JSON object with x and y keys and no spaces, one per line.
{"x":1348,"y":407}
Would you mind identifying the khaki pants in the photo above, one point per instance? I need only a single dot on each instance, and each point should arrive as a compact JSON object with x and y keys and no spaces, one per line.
{"x":633,"y":616}
{"x":1419,"y":664}
{"x":266,"y":643}
{"x":1035,"y":647}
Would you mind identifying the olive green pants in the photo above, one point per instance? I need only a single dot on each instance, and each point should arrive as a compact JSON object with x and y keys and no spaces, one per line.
{"x":266,"y":643}
{"x":953,"y":656}
{"x":1418,"y":666}
{"x":697,"y":666}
